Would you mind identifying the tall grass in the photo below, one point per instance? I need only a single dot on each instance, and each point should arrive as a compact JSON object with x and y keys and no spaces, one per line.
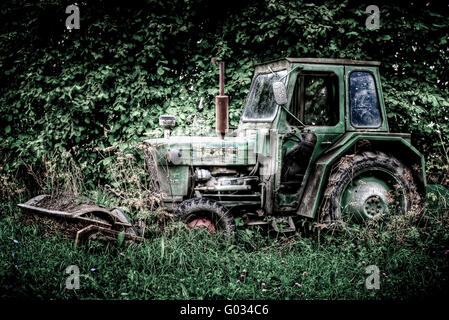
{"x":193,"y":264}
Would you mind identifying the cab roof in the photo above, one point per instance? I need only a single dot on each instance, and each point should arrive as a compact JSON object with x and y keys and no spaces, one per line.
{"x":326,"y":61}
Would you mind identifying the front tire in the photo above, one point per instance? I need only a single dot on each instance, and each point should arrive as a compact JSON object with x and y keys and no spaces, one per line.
{"x":368,"y":185}
{"x":208,"y":213}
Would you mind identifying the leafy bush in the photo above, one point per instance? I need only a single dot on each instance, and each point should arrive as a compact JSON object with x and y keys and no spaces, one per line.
{"x":106,"y":84}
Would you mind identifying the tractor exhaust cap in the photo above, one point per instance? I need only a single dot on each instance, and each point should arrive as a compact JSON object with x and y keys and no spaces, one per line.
{"x":221,"y":102}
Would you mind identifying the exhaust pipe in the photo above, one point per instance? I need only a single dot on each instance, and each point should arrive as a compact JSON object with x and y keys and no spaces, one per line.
{"x":221,"y":103}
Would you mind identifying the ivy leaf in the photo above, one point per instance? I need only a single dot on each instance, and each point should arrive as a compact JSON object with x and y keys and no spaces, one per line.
{"x":120,"y":238}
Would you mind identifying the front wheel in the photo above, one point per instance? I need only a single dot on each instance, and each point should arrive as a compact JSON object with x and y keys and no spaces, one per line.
{"x":369,"y":185}
{"x":206,"y":213}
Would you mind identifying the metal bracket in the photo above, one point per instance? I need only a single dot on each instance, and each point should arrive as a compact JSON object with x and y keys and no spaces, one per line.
{"x":291,"y":225}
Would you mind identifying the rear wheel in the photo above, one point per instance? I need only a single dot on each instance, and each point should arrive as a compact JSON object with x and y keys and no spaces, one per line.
{"x":368,"y":185}
{"x":206,"y":213}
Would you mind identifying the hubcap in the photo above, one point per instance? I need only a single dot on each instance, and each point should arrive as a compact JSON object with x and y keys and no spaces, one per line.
{"x":374,"y":205}
{"x":368,"y":196}
{"x":368,"y":200}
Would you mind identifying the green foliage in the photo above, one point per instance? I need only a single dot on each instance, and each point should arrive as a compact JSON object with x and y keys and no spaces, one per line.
{"x":107,"y":83}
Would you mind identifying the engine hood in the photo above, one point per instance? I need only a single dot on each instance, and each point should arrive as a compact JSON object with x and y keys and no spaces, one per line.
{"x":204,"y":151}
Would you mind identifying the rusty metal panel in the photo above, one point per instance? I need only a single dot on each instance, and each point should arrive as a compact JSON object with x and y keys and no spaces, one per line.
{"x":174,"y":180}
{"x":221,"y":111}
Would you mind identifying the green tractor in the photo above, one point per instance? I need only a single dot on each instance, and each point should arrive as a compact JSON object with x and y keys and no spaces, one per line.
{"x":313,"y":142}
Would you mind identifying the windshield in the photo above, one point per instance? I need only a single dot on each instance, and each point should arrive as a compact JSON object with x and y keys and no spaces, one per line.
{"x":260,"y":104}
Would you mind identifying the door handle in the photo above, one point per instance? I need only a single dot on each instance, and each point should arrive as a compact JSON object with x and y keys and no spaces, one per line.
{"x":326,"y":143}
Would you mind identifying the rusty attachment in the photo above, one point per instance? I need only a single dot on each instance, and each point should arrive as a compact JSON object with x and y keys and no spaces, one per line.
{"x":92,"y":221}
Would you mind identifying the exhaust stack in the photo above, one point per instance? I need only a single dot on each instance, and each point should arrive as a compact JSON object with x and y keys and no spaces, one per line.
{"x":221,"y":103}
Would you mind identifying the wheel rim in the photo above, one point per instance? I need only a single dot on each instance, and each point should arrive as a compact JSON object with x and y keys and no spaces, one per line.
{"x":202,"y":223}
{"x":371,"y":194}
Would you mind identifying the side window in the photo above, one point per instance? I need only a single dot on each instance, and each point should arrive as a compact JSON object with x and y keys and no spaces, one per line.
{"x":316,"y":101}
{"x":320,"y":100}
{"x":364,"y":103}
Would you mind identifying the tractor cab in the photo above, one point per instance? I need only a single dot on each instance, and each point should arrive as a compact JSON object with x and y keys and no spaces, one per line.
{"x":308,"y":105}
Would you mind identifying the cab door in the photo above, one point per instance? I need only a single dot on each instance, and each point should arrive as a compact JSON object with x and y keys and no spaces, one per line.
{"x":317,"y":101}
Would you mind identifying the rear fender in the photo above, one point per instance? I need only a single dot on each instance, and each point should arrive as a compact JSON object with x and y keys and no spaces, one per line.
{"x":396,"y":144}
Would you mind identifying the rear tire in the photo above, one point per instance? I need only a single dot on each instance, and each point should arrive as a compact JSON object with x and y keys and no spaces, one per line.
{"x":366,"y":185}
{"x":201,"y":212}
